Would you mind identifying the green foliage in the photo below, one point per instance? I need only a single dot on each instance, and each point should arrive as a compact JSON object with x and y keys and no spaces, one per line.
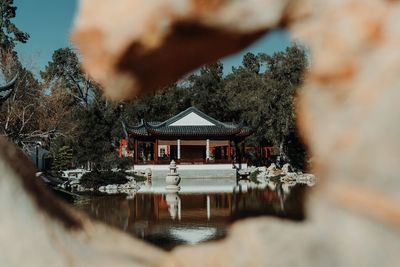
{"x":90,"y":125}
{"x":94,"y":134}
{"x":139,"y":178}
{"x":64,"y":71}
{"x":10,"y":34}
{"x":62,"y":159}
{"x":95,"y":179}
{"x":277,"y":178}
{"x":112,"y":160}
{"x":205,"y":91}
{"x":124,"y":163}
{"x":20,"y":115}
{"x":266,"y":100}
{"x":251,"y":63}
{"x":253,"y":176}
{"x":202,"y":89}
{"x":261,"y":94}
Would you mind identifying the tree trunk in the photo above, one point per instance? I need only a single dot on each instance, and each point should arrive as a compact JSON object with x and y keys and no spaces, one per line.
{"x":238,"y":155}
{"x":282,"y":155}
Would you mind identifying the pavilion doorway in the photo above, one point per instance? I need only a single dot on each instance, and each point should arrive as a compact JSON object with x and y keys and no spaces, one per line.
{"x":193,"y":153}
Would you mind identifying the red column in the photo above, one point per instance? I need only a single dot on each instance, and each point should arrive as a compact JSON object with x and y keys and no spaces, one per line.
{"x":120,"y":148}
{"x":156,"y":151}
{"x":243,"y":151}
{"x":229,"y":151}
{"x":136,"y":151}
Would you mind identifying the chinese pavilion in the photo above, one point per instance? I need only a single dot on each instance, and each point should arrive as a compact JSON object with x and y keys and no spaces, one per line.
{"x":190,"y":137}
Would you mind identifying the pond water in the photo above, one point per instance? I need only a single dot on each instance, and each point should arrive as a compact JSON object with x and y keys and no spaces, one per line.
{"x":202,"y":210}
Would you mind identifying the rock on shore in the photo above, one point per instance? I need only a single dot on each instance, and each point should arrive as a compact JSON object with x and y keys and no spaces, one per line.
{"x":284,"y":175}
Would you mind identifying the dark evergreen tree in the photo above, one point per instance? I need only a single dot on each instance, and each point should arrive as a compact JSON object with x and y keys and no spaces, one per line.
{"x":62,"y":159}
{"x":93,"y":133}
{"x":265,"y":100}
{"x":64,"y":71}
{"x":284,"y":75}
{"x":205,"y":91}
{"x":10,"y":34}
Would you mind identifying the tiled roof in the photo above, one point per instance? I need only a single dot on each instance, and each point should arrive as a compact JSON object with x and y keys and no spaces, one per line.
{"x":138,"y":130}
{"x":165,"y":129}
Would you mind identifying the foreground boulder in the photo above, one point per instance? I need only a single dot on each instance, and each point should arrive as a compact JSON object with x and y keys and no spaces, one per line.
{"x":36,"y":229}
{"x":348,"y":117}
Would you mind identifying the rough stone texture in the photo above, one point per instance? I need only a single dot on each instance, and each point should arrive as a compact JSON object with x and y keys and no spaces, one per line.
{"x":331,"y":237}
{"x":348,"y":115}
{"x":135,"y":47}
{"x":349,"y":109}
{"x":34,"y":233}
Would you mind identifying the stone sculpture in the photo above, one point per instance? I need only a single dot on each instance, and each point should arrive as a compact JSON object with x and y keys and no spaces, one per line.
{"x":172,"y":179}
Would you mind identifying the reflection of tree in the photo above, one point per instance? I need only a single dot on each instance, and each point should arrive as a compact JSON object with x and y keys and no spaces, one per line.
{"x":277,"y":199}
{"x":112,"y":211}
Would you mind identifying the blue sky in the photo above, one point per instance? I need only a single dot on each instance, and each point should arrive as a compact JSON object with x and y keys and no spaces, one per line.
{"x":49,"y":23}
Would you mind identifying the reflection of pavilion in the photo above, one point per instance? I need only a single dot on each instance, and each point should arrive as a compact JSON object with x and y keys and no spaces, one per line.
{"x":200,"y":216}
{"x":189,"y":137}
{"x":196,"y":216}
{"x":199,"y":197}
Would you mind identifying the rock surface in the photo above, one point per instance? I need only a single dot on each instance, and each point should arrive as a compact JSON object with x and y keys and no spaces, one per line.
{"x":37,"y":230}
{"x":349,"y":105}
{"x":348,"y":117}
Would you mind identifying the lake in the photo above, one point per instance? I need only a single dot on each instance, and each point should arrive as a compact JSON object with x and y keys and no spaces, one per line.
{"x":202,"y":210}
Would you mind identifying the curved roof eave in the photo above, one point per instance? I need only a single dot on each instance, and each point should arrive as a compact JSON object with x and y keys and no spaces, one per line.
{"x":10,"y":85}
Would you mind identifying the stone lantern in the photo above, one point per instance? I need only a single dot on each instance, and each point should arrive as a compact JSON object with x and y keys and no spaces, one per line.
{"x":172,"y":178}
{"x":148,"y":175}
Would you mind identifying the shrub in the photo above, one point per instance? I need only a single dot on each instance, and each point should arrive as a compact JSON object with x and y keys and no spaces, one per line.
{"x":253,"y":176}
{"x":96,"y":179}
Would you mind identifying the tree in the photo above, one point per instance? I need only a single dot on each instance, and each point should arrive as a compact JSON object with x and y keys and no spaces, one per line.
{"x":85,"y":121}
{"x":265,"y":100}
{"x":251,"y":63}
{"x":206,"y":88}
{"x":64,"y":71}
{"x":18,"y":115}
{"x":242,"y":92}
{"x":93,"y":139}
{"x":283,"y":77}
{"x":62,"y":158}
{"x":10,"y":34}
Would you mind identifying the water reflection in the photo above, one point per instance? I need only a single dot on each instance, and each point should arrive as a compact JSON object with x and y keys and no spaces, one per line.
{"x":201,"y":211}
{"x":174,"y":205}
